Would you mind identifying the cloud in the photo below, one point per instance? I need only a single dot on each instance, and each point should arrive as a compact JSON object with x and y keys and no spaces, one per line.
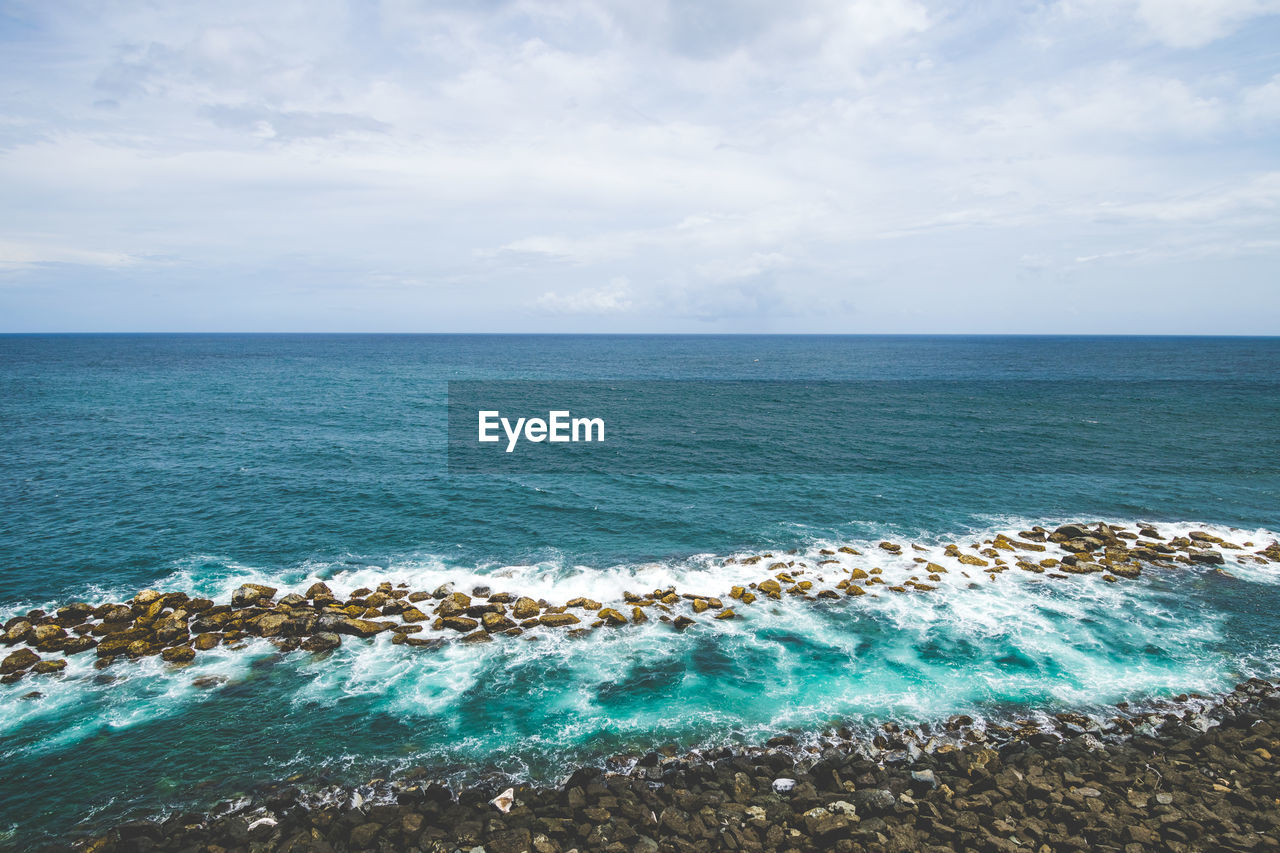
{"x":21,"y":254}
{"x":845,"y":166}
{"x":1178,"y":23}
{"x":612,"y":299}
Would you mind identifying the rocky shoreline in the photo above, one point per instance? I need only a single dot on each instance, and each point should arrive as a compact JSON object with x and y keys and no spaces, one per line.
{"x":177,"y":627}
{"x":1199,"y":774}
{"x":1195,"y":773}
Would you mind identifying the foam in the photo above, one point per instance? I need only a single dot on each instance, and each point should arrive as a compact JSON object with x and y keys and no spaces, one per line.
{"x":974,"y":645}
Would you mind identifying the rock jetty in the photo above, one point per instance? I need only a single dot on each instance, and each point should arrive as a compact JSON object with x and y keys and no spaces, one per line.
{"x":177,"y":627}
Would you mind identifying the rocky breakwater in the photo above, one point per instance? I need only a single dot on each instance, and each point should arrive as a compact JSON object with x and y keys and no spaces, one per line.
{"x":176,"y":627}
{"x":1200,"y":776}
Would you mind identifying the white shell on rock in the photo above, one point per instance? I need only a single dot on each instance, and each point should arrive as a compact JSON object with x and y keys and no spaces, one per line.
{"x":262,"y":821}
{"x":504,"y":801}
{"x":782,"y":786}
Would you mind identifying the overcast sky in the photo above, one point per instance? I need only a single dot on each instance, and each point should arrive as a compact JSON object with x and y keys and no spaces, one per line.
{"x":866,"y":166}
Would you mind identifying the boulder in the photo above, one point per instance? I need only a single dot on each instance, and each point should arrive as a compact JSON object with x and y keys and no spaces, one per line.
{"x":269,"y":625}
{"x":21,"y":659}
{"x":462,"y":624}
{"x":179,"y":654}
{"x":359,"y":627}
{"x":496,"y":622}
{"x":322,"y":642}
{"x":205,"y":642}
{"x":18,"y":631}
{"x":558,"y":620}
{"x":612,"y":617}
{"x":455,"y":604}
{"x":251,"y":593}
{"x":413,"y":614}
{"x":319,"y":590}
{"x":771,"y":588}
{"x":46,"y":667}
{"x":820,"y":822}
{"x":682,"y":622}
{"x":525,"y":608}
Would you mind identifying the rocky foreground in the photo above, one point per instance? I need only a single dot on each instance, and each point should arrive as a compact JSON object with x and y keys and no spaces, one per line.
{"x":176,"y":627}
{"x":1201,"y":775}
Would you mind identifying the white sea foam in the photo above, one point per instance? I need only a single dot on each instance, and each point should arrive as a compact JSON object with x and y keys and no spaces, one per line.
{"x":974,"y":643}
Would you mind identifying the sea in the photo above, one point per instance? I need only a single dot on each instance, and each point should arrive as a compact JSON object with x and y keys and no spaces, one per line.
{"x":201,"y":462}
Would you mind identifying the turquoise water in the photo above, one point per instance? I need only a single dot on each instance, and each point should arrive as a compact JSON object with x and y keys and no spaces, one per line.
{"x":200,"y":462}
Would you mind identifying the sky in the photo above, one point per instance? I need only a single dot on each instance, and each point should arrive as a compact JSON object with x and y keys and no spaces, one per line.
{"x":872,"y":166}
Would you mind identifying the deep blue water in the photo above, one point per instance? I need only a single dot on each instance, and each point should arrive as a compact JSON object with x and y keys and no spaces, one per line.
{"x":197,"y":462}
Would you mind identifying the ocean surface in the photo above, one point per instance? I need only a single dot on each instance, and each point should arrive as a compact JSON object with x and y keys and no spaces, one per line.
{"x":197,"y":463}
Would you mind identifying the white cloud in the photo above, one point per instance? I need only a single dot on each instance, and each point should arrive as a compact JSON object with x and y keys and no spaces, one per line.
{"x":22,"y":254}
{"x":1178,"y":23}
{"x":613,"y":299}
{"x":730,"y":163}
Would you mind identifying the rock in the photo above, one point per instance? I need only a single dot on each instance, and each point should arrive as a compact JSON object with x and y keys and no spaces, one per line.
{"x":525,"y":608}
{"x":876,"y":801}
{"x":638,"y":615}
{"x":771,"y":588}
{"x":319,"y":590}
{"x":585,"y":603}
{"x":322,"y":642}
{"x":269,"y":625}
{"x":205,"y":642}
{"x":17,"y":632}
{"x":891,"y":547}
{"x":558,"y":620}
{"x":727,"y":613}
{"x":454,"y":604}
{"x":682,"y":622}
{"x":48,"y":638}
{"x":1071,"y":531}
{"x":76,"y":645}
{"x":924,"y":778}
{"x":462,"y":624}
{"x":443,"y":591}
{"x":504,"y":801}
{"x":413,"y":615}
{"x":970,"y":560}
{"x":147,"y":597}
{"x":179,"y":654}
{"x":251,"y":593}
{"x":354,"y":627}
{"x":45,"y":667}
{"x":21,"y":659}
{"x":495,"y":622}
{"x":612,"y":617}
{"x":362,"y":836}
{"x":1205,"y":557}
{"x":820,"y":822}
